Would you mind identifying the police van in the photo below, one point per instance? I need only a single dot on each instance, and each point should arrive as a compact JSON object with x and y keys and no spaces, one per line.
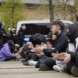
{"x":36,"y":26}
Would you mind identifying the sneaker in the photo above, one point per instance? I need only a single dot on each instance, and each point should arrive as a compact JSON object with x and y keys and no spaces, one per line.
{"x":44,"y":67}
{"x":58,"y":68}
{"x":74,"y":71}
{"x":32,"y":63}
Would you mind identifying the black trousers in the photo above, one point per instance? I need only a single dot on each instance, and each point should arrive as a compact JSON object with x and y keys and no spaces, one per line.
{"x":9,"y":58}
{"x":69,"y":67}
{"x":32,"y":56}
{"x":50,"y":62}
{"x":35,"y":57}
{"x":71,"y":64}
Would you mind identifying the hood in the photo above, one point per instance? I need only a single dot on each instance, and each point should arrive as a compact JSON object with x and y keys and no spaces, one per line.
{"x":73,"y":32}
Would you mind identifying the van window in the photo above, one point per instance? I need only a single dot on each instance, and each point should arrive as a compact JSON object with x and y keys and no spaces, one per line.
{"x":37,"y":28}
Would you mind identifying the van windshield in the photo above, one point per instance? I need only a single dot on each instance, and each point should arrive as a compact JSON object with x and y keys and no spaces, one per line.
{"x":37,"y":28}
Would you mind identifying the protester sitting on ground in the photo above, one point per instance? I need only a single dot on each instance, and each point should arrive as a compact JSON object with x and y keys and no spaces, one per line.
{"x":71,"y":57}
{"x":40,"y":56}
{"x":73,"y":40}
{"x":59,"y":66}
{"x":26,"y":49}
{"x":7,"y":51}
{"x":60,"y":45}
{"x":50,"y":40}
{"x":41,"y":41}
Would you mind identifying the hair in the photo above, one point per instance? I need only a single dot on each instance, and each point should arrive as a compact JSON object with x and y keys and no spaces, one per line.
{"x":35,"y":38}
{"x":17,"y":46}
{"x":10,"y":42}
{"x":58,"y":22}
{"x":26,"y":47}
{"x":42,"y":38}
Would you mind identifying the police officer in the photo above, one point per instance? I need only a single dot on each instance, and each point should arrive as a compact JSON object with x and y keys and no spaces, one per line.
{"x":2,"y":34}
{"x":21,"y":35}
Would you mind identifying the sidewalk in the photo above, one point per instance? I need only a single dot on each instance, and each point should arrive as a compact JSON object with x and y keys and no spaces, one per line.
{"x":18,"y":70}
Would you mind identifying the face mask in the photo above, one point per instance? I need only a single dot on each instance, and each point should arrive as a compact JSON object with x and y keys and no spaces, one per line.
{"x":23,"y":27}
{"x":70,"y":37}
{"x":68,"y":34}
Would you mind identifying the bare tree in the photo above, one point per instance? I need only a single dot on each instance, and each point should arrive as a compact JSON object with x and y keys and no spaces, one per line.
{"x":76,"y":7}
{"x":51,"y":9}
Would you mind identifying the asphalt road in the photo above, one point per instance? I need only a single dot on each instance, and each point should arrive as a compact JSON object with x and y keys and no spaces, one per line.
{"x":15,"y":69}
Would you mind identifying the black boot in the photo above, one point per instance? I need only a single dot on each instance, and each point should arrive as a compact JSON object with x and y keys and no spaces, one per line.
{"x":44,"y":67}
{"x":77,"y":60}
{"x":74,"y":71}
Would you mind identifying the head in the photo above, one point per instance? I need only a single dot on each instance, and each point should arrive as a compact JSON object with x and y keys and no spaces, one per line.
{"x":26,"y":47}
{"x":11,"y":45}
{"x":22,"y":27}
{"x":35,"y":39}
{"x":72,"y":32}
{"x":42,"y":39}
{"x":17,"y":47}
{"x":12,"y":31}
{"x":57,"y":26}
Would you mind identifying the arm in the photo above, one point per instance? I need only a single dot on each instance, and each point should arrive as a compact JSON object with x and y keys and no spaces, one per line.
{"x":8,"y":52}
{"x":61,"y":43}
{"x":73,"y":56}
{"x":48,"y":52}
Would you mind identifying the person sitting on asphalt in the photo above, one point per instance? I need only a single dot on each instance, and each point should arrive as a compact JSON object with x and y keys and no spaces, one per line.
{"x":71,"y":56}
{"x":7,"y":51}
{"x":33,"y":58}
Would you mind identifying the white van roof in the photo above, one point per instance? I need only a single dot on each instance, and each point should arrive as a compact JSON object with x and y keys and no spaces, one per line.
{"x":30,"y":22}
{"x":36,"y":22}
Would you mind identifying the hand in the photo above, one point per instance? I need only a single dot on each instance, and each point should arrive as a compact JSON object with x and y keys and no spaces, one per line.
{"x":60,"y":56}
{"x":67,"y":59}
{"x":54,"y":37}
{"x":44,"y":46}
{"x":17,"y":55}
